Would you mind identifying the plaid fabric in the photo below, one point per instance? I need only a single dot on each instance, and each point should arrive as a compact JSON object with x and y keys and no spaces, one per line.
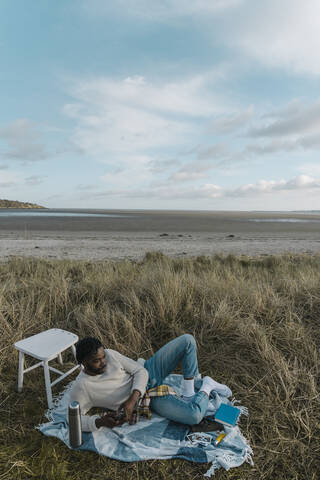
{"x":143,"y":404}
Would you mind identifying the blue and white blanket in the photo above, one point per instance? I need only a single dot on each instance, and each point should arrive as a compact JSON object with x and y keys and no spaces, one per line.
{"x":157,"y":438}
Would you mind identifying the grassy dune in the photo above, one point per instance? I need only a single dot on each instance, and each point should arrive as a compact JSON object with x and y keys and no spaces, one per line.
{"x":256,"y":321}
{"x":15,"y":204}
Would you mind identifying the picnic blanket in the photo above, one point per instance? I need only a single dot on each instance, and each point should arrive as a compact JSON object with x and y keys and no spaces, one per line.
{"x":157,"y":438}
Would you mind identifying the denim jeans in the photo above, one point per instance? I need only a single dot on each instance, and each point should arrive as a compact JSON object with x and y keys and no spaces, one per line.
{"x":182,"y":349}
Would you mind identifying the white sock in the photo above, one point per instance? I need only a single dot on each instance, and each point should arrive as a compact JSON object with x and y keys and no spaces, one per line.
{"x":209,"y":384}
{"x":188,"y":388}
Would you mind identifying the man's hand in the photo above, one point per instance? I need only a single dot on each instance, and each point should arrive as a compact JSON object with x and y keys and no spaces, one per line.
{"x":108,"y":421}
{"x":129,"y":405}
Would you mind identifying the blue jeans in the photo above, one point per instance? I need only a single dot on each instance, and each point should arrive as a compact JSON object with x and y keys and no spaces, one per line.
{"x":182,"y":349}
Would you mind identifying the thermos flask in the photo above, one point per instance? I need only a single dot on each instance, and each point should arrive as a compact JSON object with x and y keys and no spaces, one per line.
{"x":75,"y":434}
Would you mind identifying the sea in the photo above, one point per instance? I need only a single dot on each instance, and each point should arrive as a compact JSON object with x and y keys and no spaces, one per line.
{"x":77,"y":213}
{"x":96,"y":220}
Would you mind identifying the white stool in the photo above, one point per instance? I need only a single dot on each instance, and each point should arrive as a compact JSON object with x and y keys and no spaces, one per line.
{"x":46,"y":346}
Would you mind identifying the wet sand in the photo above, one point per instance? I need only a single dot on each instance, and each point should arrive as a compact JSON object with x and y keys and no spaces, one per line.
{"x":174,"y":233}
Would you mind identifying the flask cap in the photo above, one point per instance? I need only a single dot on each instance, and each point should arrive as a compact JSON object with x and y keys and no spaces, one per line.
{"x":74,"y":408}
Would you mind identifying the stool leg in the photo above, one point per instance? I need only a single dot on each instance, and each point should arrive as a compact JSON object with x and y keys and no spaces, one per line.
{"x":48,"y":383}
{"x":60,"y":359}
{"x":20,"y":371}
{"x":74,"y":352}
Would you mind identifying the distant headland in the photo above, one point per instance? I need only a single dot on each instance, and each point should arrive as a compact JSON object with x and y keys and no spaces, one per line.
{"x":16,"y":204}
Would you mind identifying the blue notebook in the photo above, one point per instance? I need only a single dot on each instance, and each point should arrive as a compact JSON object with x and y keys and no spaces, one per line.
{"x":227,"y":415}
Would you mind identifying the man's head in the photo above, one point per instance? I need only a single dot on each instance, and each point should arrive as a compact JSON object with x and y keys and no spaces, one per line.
{"x":90,"y":352}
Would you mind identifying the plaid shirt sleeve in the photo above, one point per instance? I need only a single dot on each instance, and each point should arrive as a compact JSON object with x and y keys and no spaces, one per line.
{"x":143,"y":405}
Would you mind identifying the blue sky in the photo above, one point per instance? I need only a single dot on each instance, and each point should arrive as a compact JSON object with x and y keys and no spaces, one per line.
{"x":161,"y":104}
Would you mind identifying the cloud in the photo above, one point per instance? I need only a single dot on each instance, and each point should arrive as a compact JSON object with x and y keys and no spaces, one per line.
{"x":55,"y":196}
{"x":181,"y":97}
{"x":311,"y":142}
{"x":7,"y":184}
{"x":35,"y":180}
{"x":277,"y":33}
{"x":157,"y":166}
{"x":9,"y":179}
{"x":310,"y":169}
{"x":135,"y":172}
{"x":301,"y":182}
{"x":85,"y":187}
{"x":134,"y":124}
{"x":288,"y":129}
{"x":163,"y":192}
{"x":213,"y":152}
{"x":22,"y":140}
{"x":192,"y":171}
{"x":272,"y":147}
{"x":231,"y":123}
{"x":206,"y":158}
{"x":153,"y":10}
{"x":282,"y":34}
{"x":293,"y":120}
{"x":185,"y":176}
{"x":213,"y":191}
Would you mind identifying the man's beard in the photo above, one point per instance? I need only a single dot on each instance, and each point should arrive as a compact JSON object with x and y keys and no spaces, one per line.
{"x":95,"y":371}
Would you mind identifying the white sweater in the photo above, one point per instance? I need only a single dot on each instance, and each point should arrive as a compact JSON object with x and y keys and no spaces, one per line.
{"x":110,"y":389}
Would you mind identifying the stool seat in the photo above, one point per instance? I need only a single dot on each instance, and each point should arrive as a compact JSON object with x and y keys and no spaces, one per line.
{"x":46,"y":346}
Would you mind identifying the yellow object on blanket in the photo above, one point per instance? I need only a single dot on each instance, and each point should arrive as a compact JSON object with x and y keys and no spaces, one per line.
{"x":219,"y":438}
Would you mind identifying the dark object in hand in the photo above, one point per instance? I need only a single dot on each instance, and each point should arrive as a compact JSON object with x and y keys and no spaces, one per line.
{"x":115,"y":415}
{"x":119,"y":414}
{"x":108,"y":421}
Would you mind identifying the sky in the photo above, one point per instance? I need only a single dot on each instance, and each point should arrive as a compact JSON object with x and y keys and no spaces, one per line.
{"x":161,"y":104}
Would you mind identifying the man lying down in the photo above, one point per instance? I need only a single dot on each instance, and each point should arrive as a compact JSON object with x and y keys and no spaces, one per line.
{"x":115,"y":382}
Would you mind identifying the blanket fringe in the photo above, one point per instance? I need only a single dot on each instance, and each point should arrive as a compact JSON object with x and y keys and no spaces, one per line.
{"x":243,"y":410}
{"x":249,"y":458}
{"x":249,"y":451}
{"x":56,"y":401}
{"x":212,"y":470}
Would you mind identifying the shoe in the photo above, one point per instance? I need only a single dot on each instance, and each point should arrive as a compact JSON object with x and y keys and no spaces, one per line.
{"x":206,"y":425}
{"x":209,"y":384}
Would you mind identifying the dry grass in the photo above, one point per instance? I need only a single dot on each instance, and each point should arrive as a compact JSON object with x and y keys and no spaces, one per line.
{"x":256,"y":321}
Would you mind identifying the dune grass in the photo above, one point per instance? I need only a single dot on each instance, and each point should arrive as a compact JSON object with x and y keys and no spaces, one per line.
{"x":256,"y":322}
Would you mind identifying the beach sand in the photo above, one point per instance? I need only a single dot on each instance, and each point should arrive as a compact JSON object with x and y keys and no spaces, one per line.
{"x":175,"y":233}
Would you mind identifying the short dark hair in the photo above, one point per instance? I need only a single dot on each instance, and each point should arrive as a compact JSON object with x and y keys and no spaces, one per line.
{"x":87,"y":347}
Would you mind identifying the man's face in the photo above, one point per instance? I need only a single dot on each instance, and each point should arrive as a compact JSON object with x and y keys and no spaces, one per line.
{"x":96,"y":364}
